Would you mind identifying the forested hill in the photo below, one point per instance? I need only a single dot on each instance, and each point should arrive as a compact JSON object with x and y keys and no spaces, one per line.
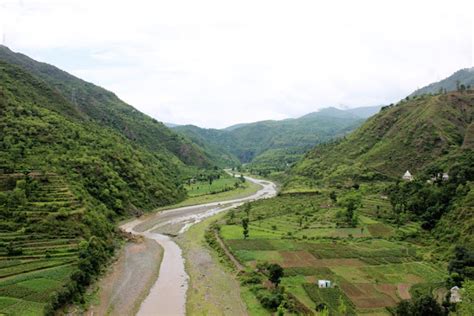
{"x":275,"y":144}
{"x":68,"y":169}
{"x":96,"y":104}
{"x":461,"y":78}
{"x":415,"y":134}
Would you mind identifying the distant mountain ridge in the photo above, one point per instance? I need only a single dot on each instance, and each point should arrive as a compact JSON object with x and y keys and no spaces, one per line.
{"x":452,"y":83}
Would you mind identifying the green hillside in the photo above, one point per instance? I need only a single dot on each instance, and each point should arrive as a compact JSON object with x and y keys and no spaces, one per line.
{"x":96,"y":104}
{"x":216,"y":143}
{"x":463,"y":77}
{"x":65,"y":176}
{"x":412,"y":135}
{"x":274,"y":145}
{"x":345,"y":215}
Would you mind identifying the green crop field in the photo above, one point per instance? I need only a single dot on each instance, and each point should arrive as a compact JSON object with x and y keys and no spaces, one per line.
{"x":36,"y":263}
{"x":370,"y":268}
{"x":224,"y":183}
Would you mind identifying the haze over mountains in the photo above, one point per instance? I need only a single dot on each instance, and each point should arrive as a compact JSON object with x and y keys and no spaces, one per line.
{"x":276,"y":144}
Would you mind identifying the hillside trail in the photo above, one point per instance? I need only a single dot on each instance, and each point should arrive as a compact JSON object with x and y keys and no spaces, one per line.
{"x":168,"y":294}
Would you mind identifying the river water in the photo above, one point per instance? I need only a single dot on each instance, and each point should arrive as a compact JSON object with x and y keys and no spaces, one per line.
{"x":168,"y":295}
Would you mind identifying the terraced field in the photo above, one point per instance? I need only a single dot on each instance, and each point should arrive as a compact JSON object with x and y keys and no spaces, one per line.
{"x":36,"y":258}
{"x":371,"y":269}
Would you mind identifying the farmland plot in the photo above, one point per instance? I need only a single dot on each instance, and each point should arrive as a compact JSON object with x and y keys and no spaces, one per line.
{"x":369,"y":270}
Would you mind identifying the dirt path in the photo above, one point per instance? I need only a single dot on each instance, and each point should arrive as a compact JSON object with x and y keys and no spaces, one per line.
{"x":213,"y":288}
{"x":167,"y":296}
{"x":229,"y":255}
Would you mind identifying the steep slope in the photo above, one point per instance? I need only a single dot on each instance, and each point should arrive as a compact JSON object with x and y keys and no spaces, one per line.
{"x":409,"y":136}
{"x":102,"y":106}
{"x":452,"y":83}
{"x":275,"y":144}
{"x":63,"y":180}
{"x":216,"y":143}
{"x":110,"y":167}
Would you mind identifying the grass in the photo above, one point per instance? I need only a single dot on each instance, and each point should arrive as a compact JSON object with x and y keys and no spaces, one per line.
{"x":246,"y":189}
{"x":330,"y":296}
{"x":203,"y":268}
{"x":223,"y":184}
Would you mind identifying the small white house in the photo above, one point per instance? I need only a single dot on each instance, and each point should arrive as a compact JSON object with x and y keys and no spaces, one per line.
{"x":445,"y":176}
{"x":407,"y":176}
{"x":324,"y":284}
{"x":455,"y":296}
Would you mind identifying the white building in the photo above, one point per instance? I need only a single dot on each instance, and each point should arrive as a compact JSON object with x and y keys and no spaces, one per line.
{"x":324,"y":284}
{"x":407,"y":176}
{"x":455,"y":295}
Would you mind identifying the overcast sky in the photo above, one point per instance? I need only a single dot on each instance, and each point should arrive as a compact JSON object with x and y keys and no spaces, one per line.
{"x":216,"y":63}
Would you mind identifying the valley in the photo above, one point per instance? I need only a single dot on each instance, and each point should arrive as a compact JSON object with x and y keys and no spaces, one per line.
{"x":168,"y":294}
{"x":106,"y":211}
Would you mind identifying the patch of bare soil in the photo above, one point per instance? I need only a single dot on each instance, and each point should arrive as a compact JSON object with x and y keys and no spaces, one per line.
{"x":129,"y":279}
{"x":366,"y":295}
{"x":305,"y":259}
{"x":404,"y":291}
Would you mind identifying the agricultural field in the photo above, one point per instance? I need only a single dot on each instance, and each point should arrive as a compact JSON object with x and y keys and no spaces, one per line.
{"x":223,"y":182}
{"x":371,"y":268}
{"x":35,"y":260}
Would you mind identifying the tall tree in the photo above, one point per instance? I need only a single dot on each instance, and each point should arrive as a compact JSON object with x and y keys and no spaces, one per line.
{"x":245,"y":226}
{"x":275,"y":273}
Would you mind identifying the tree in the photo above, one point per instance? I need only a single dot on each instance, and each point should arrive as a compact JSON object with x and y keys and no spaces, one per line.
{"x":466,"y":306}
{"x":247,"y":208}
{"x":342,"y":308}
{"x":403,"y":308}
{"x":423,"y":305}
{"x":351,"y":219}
{"x":426,"y":305}
{"x":275,"y":273}
{"x":245,"y":226}
{"x":462,"y":263}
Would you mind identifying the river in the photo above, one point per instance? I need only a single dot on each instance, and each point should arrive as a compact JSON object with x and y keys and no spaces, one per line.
{"x":168,"y":295}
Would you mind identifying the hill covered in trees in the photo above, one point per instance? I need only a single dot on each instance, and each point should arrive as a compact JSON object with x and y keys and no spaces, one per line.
{"x":413,"y":135}
{"x":429,"y":135}
{"x":73,"y":159}
{"x":277,"y":144}
{"x":93,"y":103}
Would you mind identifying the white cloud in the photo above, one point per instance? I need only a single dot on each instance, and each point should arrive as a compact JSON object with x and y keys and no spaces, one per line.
{"x":215,"y":63}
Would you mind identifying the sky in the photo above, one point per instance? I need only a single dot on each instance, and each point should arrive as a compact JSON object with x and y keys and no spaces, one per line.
{"x":218,"y":63}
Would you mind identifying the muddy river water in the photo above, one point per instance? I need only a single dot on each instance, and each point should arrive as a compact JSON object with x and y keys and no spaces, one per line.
{"x":168,"y":295}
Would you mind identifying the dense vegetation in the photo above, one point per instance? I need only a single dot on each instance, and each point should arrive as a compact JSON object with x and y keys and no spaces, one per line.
{"x":416,"y":134}
{"x":373,"y":263}
{"x":70,"y":166}
{"x":93,"y":103}
{"x":275,"y":145}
